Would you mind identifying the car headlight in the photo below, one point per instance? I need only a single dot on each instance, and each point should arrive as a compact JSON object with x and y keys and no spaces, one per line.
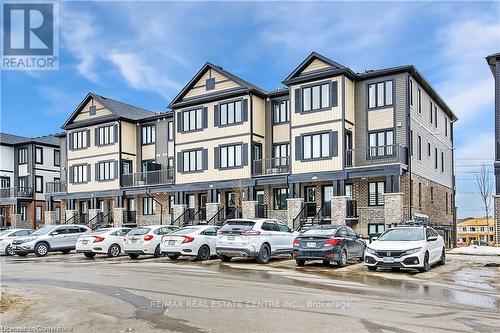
{"x":28,"y":240}
{"x":413,"y":251}
{"x":372,"y":251}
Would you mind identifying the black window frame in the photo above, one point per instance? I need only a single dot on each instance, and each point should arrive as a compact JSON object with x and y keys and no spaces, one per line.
{"x":198,"y":113}
{"x":40,"y":178}
{"x":170,"y":130}
{"x":22,"y":156}
{"x":419,"y":147}
{"x":311,"y":104}
{"x":188,"y":152}
{"x":442,"y":161}
{"x":378,"y":197}
{"x":37,"y":150}
{"x":226,"y":105}
{"x":227,"y":147}
{"x":410,"y":91}
{"x":280,"y":204}
{"x":111,"y":168}
{"x":57,"y":153}
{"x":419,"y":100}
{"x":436,"y":161}
{"x":311,"y":136}
{"x":385,"y":102}
{"x":385,"y":150}
{"x":101,"y":136}
{"x":76,"y":167}
{"x":277,"y":106}
{"x":147,"y":137}
{"x":81,"y":136}
{"x":149,"y":208}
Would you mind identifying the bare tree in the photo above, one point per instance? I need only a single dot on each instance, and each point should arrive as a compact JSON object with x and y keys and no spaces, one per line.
{"x":240,"y":193}
{"x":484,"y":185}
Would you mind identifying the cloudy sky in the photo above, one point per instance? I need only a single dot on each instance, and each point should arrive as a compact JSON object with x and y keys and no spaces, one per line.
{"x":144,"y":52}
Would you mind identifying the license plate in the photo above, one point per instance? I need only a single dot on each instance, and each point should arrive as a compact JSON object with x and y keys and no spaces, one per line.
{"x":171,"y":242}
{"x":133,"y":240}
{"x":231,"y":238}
{"x":310,"y":244}
{"x":388,"y":260}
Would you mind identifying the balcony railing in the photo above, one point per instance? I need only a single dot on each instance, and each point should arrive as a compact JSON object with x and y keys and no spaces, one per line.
{"x":148,"y":178}
{"x":271,"y":166}
{"x":16,"y":192}
{"x":56,"y":187}
{"x":376,"y":155}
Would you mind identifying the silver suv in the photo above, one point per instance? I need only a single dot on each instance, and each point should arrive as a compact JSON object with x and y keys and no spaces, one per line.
{"x":49,"y":239}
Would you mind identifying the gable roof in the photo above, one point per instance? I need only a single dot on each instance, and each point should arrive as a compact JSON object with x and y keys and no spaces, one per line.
{"x":334,"y":67}
{"x":245,"y":84}
{"x":121,"y":110}
{"x":14,"y":140}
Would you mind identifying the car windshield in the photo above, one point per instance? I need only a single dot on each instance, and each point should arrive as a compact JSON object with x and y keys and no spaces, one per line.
{"x":320,"y":232}
{"x":184,"y":231}
{"x":138,"y":231}
{"x":403,"y":234}
{"x":237,"y":226}
{"x":43,"y":231}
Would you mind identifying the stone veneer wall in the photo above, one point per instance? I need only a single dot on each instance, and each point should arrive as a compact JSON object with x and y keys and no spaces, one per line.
{"x":272,"y":213}
{"x":496,"y":216}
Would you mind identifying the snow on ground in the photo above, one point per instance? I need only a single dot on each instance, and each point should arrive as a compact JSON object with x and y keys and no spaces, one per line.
{"x":477,"y":250}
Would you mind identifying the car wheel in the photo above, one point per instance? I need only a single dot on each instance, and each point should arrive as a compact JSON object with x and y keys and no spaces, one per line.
{"x":342,"y":258}
{"x":66,"y":251}
{"x":133,"y":256}
{"x":114,"y":250}
{"x":203,"y":253}
{"x":41,"y":249}
{"x":371,"y":268}
{"x":442,"y":261}
{"x":89,"y":255}
{"x":426,"y":265}
{"x":173,"y":256}
{"x":300,"y":262}
{"x":9,"y":251}
{"x":157,"y":253}
{"x":224,"y":258}
{"x":264,"y":254}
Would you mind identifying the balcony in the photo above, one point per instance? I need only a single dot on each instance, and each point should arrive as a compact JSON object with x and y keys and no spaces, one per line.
{"x":157,"y":177}
{"x":271,"y":166}
{"x":376,"y":155}
{"x":16,"y":192}
{"x":56,"y":187}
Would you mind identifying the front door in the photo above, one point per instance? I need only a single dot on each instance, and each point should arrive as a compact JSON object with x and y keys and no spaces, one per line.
{"x":327,"y":200}
{"x":230,"y":205}
{"x":190,"y":205}
{"x":203,"y":206}
{"x":310,"y":200}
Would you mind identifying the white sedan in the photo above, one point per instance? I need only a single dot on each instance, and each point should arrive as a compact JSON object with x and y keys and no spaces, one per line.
{"x":103,"y":241}
{"x":7,"y":236}
{"x":196,"y":241}
{"x":146,"y":240}
{"x":417,"y":247}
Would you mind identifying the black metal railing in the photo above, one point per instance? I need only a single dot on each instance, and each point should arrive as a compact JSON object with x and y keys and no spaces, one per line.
{"x":199,"y":216}
{"x":301,"y":217}
{"x":101,"y":220}
{"x":261,"y":211}
{"x":56,"y":187}
{"x":148,"y":178}
{"x":271,"y":166}
{"x":182,"y":219}
{"x":218,"y":218}
{"x":16,"y":192}
{"x":130,"y":217}
{"x":324,"y":214}
{"x":352,"y":209}
{"x":376,"y":155}
{"x":232,"y":213}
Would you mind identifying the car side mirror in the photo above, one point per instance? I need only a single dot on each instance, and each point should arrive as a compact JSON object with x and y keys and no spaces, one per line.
{"x":432,"y":239}
{"x":360,"y":236}
{"x":374,"y":238}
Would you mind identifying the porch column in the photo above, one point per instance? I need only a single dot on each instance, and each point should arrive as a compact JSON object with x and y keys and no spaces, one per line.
{"x":178,"y":210}
{"x":212,"y":209}
{"x":50,"y":217}
{"x":339,"y":209}
{"x":15,"y":221}
{"x":393,"y":208}
{"x":118,"y":216}
{"x":294,"y":206}
{"x":70,"y":213}
{"x":496,"y":216}
{"x":248,"y":209}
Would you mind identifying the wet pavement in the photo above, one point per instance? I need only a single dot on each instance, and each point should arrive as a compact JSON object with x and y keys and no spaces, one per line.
{"x":153,"y":295}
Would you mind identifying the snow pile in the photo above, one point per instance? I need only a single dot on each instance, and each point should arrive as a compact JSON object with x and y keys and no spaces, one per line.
{"x":477,"y":250}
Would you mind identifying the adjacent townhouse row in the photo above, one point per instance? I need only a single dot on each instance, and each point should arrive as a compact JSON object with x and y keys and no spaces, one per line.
{"x":333,"y":146}
{"x":26,"y":164}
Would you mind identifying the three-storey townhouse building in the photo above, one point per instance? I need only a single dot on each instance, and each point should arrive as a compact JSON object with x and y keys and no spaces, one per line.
{"x":332,"y":146}
{"x":25,"y":165}
{"x":493,"y":61}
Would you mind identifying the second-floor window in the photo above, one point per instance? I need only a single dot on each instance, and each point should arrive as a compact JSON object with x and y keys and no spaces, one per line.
{"x":38,"y":155}
{"x":316,"y":97}
{"x":436,"y":162}
{"x":442,"y":161}
{"x":170,"y":129}
{"x":280,"y":152}
{"x":148,"y":134}
{"x":80,"y":173}
{"x":38,"y":184}
{"x":380,"y":94}
{"x":106,"y":135}
{"x":106,"y":170}
{"x":192,"y":120}
{"x":281,"y":111}
{"x":419,"y":147}
{"x":316,"y":146}
{"x":375,"y":193}
{"x":192,"y":160}
{"x":381,"y":143}
{"x":57,"y":157}
{"x":79,"y":140}
{"x":22,"y":155}
{"x":230,"y":156}
{"x":231,"y":113}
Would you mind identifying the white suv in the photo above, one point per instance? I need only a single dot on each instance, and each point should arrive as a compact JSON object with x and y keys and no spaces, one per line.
{"x":416,"y":247}
{"x":254,"y":238}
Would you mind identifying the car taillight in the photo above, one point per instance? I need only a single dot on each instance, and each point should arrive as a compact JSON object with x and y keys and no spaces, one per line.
{"x":296,"y":242}
{"x":187,"y":239}
{"x":148,"y":237}
{"x":98,"y":239}
{"x":332,"y":242}
{"x":251,"y":233}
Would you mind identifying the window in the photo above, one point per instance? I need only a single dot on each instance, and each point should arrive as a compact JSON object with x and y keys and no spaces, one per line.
{"x":80,"y":140}
{"x":280,"y":196}
{"x":429,"y":149}
{"x":106,"y":135}
{"x":38,"y":184}
{"x":442,"y":161}
{"x":57,"y":157}
{"x":270,"y":226}
{"x":148,"y":206}
{"x":281,"y":150}
{"x":410,"y":92}
{"x":381,"y":143}
{"x":316,"y":97}
{"x":4,"y":182}
{"x":436,"y":158}
{"x":22,"y":183}
{"x":23,"y":211}
{"x":148,"y":134}
{"x":419,"y":147}
{"x":230,"y":156}
{"x":192,"y":120}
{"x":106,"y":170}
{"x":419,"y":100}
{"x":170,"y":129}
{"x":126,"y":167}
{"x":375,"y":193}
{"x":411,"y":142}
{"x":192,"y":160}
{"x":430,"y":112}
{"x":22,"y":155}
{"x":38,"y":155}
{"x":281,"y":111}
{"x":420,"y":195}
{"x":38,"y":213}
{"x":231,"y":113}
{"x":80,"y":173}
{"x":316,"y":146}
{"x":435,"y":116}
{"x":380,"y":94}
{"x":376,"y":229}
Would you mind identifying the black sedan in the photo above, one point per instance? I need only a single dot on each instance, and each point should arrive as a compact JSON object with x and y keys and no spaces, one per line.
{"x":330,"y":243}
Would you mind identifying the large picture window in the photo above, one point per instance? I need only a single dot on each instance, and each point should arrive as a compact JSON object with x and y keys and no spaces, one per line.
{"x":230,"y":156}
{"x":381,"y":143}
{"x":192,"y":160}
{"x":316,"y":97}
{"x":375,"y":193}
{"x":231,"y":113}
{"x":281,"y":111}
{"x":106,"y":135}
{"x":148,"y":134}
{"x":316,"y":146}
{"x":380,"y":94}
{"x":280,"y":196}
{"x":192,"y":120}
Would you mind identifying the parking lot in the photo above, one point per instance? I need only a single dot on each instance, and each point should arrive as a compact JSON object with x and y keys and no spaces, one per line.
{"x":73,"y":293}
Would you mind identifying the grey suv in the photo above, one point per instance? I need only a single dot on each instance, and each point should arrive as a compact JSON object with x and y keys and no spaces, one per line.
{"x":49,"y":239}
